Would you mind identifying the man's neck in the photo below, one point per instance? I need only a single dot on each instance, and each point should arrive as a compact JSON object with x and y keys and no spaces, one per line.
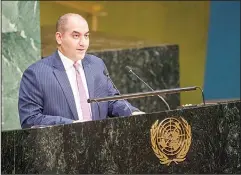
{"x":72,"y":59}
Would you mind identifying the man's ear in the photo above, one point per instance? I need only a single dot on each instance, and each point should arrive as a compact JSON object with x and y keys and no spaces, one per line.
{"x":58,"y":37}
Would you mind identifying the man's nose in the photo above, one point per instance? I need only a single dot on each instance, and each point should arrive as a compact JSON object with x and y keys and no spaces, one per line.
{"x":81,"y":40}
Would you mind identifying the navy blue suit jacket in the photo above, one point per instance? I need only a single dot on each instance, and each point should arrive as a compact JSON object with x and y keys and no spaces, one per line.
{"x":46,"y":98}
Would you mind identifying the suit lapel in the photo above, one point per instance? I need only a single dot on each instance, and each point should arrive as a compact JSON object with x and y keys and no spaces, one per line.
{"x":63,"y":80}
{"x":90,"y":83}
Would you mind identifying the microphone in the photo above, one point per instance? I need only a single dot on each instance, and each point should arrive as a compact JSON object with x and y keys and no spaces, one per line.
{"x":130,"y":70}
{"x":106,"y":73}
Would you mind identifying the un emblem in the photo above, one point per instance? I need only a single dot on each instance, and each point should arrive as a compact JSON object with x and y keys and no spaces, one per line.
{"x":171,"y":139}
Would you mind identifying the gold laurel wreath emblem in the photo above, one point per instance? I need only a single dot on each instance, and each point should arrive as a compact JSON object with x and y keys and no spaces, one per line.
{"x":171,"y":139}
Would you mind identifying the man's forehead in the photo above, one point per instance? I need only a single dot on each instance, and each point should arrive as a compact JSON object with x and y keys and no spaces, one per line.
{"x":77,"y":27}
{"x":78,"y":24}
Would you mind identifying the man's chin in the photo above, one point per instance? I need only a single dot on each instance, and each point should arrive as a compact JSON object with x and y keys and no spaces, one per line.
{"x":80,"y":55}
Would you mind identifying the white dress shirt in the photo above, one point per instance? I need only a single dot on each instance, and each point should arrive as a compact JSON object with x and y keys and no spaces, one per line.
{"x":70,"y":71}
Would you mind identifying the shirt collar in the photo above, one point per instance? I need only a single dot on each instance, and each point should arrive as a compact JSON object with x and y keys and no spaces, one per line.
{"x":68,"y":63}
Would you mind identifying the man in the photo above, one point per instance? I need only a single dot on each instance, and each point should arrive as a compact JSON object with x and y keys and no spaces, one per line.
{"x":55,"y":90}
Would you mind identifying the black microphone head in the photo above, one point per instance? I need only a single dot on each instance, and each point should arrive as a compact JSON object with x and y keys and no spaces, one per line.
{"x":128,"y":68}
{"x":106,"y":73}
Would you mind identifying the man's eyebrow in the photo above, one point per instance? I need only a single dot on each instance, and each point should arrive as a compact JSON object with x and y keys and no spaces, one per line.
{"x":76,"y":32}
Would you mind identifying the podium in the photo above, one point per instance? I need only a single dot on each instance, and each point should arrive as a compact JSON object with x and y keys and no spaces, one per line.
{"x":201,"y":139}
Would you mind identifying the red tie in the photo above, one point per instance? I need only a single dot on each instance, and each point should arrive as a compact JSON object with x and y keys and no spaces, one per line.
{"x":82,"y":93}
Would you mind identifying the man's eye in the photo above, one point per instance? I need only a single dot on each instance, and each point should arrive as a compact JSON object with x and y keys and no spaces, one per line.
{"x":76,"y":36}
{"x":86,"y":36}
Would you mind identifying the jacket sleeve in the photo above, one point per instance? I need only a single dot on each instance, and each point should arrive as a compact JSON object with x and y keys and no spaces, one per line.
{"x":118,"y":107}
{"x":30,"y":103}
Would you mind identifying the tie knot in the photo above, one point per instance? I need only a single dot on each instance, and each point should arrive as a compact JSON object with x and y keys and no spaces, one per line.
{"x":76,"y":65}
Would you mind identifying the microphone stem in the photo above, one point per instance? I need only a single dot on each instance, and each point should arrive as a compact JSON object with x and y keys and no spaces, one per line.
{"x":203,"y":99}
{"x":167,"y":105}
{"x":141,"y":80}
{"x":120,"y":94}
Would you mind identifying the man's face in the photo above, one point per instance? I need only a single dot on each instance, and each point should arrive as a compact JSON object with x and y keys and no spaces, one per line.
{"x":74,"y":40}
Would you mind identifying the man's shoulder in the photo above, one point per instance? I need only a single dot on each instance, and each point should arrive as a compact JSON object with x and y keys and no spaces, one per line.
{"x":93,"y":59}
{"x":43,"y":63}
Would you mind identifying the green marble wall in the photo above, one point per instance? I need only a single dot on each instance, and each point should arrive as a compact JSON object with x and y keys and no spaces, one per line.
{"x":20,"y":48}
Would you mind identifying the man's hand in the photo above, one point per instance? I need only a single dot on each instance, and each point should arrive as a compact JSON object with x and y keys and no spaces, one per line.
{"x":77,"y":121}
{"x":138,"y":113}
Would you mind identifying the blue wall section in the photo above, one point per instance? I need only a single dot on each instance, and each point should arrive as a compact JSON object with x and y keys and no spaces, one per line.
{"x":222,"y":75}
